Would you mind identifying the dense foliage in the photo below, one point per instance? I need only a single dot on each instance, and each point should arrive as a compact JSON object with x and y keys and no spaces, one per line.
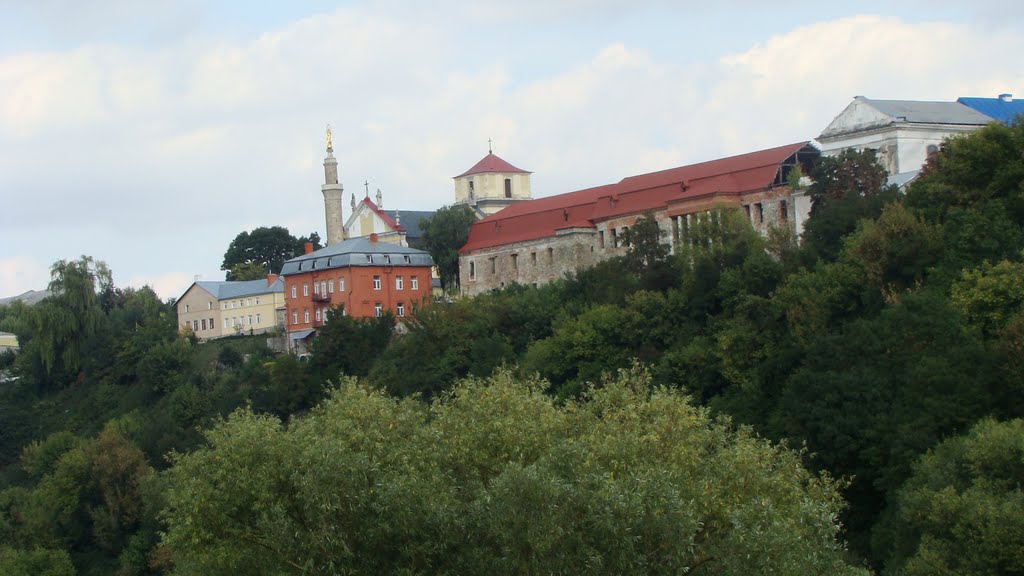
{"x":443,"y":234}
{"x":889,"y":344}
{"x":253,"y":255}
{"x":494,"y":478}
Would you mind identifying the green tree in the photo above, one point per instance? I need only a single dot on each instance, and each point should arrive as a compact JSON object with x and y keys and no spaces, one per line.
{"x":962,"y":510}
{"x":847,"y":189}
{"x":267,"y":247}
{"x":444,"y":233}
{"x":496,"y":478}
{"x":247,"y":271}
{"x":37,"y":562}
{"x":347,"y":345}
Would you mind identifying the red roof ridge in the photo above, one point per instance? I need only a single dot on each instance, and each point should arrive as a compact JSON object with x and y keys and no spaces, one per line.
{"x":492,"y":163}
{"x":384,"y":216}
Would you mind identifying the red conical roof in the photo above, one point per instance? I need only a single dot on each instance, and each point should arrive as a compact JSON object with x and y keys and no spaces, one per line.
{"x":492,"y":163}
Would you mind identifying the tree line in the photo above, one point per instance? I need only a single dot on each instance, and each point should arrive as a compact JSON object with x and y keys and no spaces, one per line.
{"x":741,"y":404}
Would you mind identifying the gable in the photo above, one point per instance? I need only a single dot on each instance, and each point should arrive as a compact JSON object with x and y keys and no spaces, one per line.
{"x":857,"y":116}
{"x":364,"y":221}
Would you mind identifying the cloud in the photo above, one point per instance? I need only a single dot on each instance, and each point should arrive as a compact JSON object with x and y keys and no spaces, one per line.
{"x":154,"y":157}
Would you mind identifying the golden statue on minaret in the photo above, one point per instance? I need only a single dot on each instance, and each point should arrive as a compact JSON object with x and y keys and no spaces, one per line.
{"x":330,"y":144}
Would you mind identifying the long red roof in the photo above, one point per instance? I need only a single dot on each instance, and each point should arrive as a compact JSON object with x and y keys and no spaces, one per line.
{"x":492,"y":163}
{"x":543,"y":217}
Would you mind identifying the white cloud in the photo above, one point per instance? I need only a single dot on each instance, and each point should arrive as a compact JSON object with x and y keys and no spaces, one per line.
{"x":172,"y":150}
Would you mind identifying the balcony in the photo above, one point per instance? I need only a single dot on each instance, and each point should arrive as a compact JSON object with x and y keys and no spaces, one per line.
{"x":321,"y":297}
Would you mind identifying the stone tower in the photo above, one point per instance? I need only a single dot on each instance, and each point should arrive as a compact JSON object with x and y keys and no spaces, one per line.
{"x":332,"y":195}
{"x":491,"y":185}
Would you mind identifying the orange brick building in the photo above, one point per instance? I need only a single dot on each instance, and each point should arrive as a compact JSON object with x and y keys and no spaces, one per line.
{"x":364,"y":276}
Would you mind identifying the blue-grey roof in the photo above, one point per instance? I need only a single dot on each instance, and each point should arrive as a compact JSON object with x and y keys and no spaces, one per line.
{"x":357,"y":252}
{"x":996,"y":108}
{"x":918,"y":112}
{"x":226,"y":290}
{"x":410,"y":220}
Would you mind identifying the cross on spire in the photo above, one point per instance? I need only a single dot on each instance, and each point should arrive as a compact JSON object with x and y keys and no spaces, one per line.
{"x":489,"y":150}
{"x":367,"y":185}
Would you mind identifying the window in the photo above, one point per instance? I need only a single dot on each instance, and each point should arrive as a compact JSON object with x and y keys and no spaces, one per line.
{"x":369,"y":259}
{"x":315,"y":289}
{"x":760,"y":212}
{"x":493,"y":265}
{"x":258,"y":320}
{"x":204,"y":324}
{"x":195,"y":325}
{"x":250,"y":320}
{"x":415,"y":282}
{"x":295,"y":317}
{"x":323,"y":287}
{"x":341,"y":284}
{"x":533,"y":256}
{"x":401,"y":310}
{"x":330,"y":286}
{"x":387,"y":258}
{"x":551,"y":255}
{"x":471,"y":186}
{"x":515,"y":262}
{"x":408,"y":260}
{"x":305,"y":316}
{"x":248,"y":301}
{"x":225,"y":323}
{"x":186,"y":307}
{"x":600,"y":242}
{"x":783,"y":211}
{"x":209,"y":305}
{"x":625,"y":242}
{"x":472,"y":270}
{"x":399,"y":283}
{"x":615,"y":238}
{"x":508,"y":187}
{"x":225,"y":306}
{"x":746,"y":211}
{"x":293,"y":291}
{"x":378,"y":310}
{"x":257,"y":301}
{"x":305,"y":289}
{"x":376,"y":282}
{"x":317,"y":314}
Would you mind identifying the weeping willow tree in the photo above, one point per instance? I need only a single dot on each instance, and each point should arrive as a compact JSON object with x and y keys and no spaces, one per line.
{"x":63,"y":324}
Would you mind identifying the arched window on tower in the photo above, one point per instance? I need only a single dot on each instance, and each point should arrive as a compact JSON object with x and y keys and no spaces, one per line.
{"x":508,"y":187}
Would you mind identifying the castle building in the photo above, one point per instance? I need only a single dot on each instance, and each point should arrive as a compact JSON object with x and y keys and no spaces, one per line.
{"x":537,"y":241}
{"x":363,"y":275}
{"x":903,"y":133}
{"x":491,"y":185}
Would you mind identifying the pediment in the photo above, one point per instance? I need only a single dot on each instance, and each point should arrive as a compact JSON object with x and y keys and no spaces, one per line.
{"x":858,"y":116}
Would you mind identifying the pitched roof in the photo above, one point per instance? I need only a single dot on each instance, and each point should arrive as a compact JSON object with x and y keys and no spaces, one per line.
{"x":383,"y":215}
{"x":356,"y":252}
{"x":919,"y":112}
{"x":492,"y":163}
{"x":409,"y":220}
{"x":543,"y":217}
{"x":1002,"y":109}
{"x":224,"y":290}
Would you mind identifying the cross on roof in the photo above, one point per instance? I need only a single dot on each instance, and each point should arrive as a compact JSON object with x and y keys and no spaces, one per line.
{"x":489,"y":151}
{"x":367,"y":185}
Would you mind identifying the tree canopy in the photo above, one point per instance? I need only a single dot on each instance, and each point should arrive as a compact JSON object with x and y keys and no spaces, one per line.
{"x":496,"y":478}
{"x":444,"y":234}
{"x":266,"y":247}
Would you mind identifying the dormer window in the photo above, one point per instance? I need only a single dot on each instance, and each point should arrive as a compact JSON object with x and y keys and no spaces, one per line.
{"x":408,"y":260}
{"x":369,"y":259}
{"x":387,"y":258}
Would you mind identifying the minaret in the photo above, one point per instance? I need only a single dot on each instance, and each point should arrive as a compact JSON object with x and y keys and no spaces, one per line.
{"x":332,"y":195}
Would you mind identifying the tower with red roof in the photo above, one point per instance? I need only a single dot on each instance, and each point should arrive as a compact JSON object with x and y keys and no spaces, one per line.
{"x":492,"y":184}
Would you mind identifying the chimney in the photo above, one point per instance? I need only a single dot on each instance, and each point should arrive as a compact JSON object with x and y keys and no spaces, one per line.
{"x":271,"y":278}
{"x":373,"y":237}
{"x":1006,"y":97}
{"x":308,"y":248}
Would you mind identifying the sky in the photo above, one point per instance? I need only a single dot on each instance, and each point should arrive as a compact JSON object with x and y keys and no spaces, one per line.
{"x":149,"y":134}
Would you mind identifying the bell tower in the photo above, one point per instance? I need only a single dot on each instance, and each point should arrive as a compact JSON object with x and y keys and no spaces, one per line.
{"x":332,"y":192}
